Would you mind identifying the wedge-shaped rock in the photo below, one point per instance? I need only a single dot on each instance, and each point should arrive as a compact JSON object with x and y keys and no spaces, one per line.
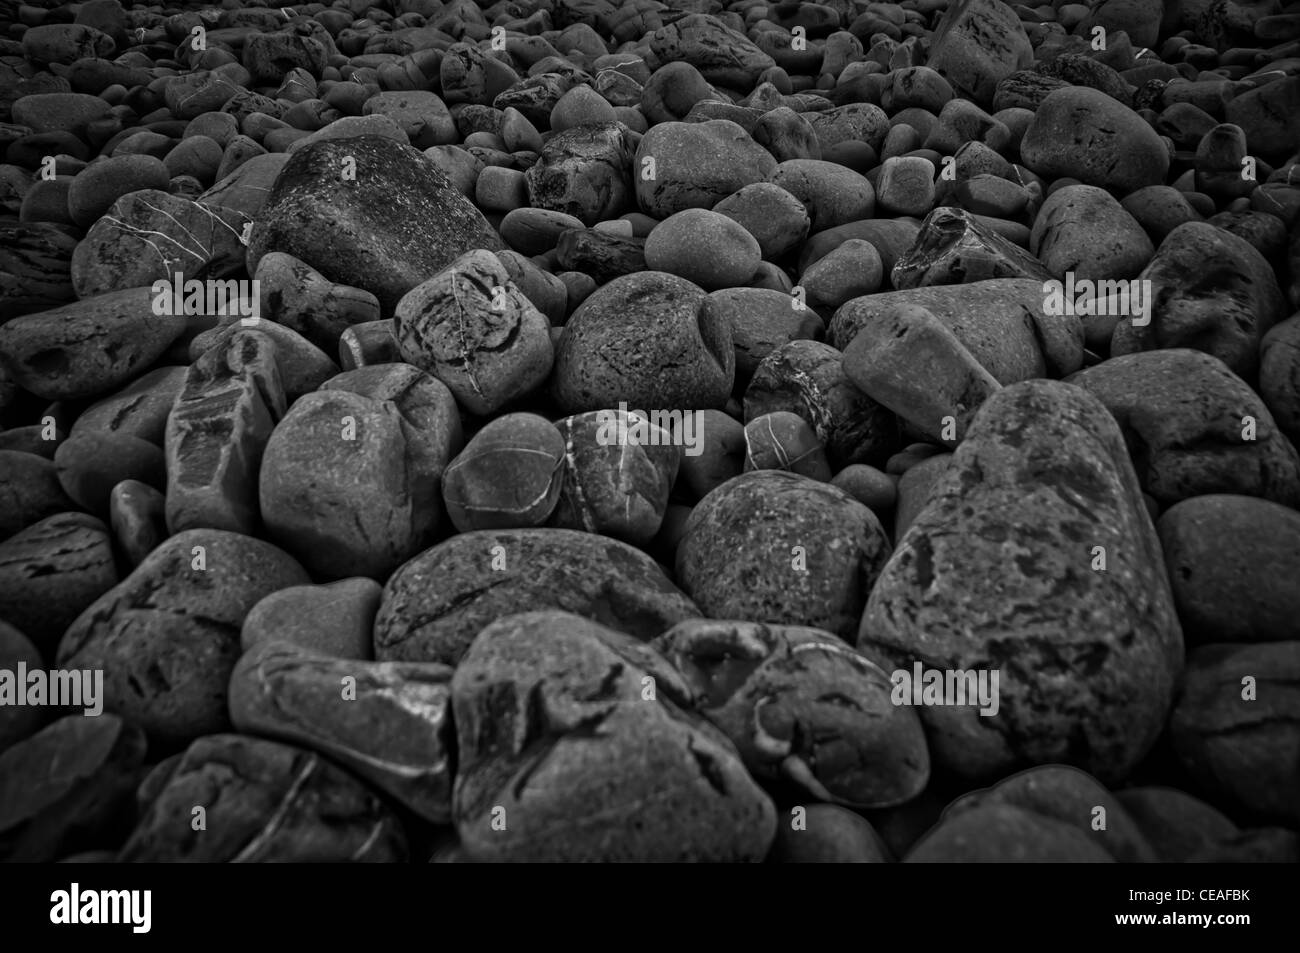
{"x":561,"y":738}
{"x":909,"y":361}
{"x":217,"y":432}
{"x":954,"y":248}
{"x":1001,"y":321}
{"x":1035,"y":562}
{"x":387,"y":722}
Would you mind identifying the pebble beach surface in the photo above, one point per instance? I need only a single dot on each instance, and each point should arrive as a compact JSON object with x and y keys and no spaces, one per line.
{"x":667,"y":430}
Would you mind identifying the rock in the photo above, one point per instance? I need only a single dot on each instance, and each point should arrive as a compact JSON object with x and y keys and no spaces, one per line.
{"x":583,"y":172}
{"x":138,"y":515}
{"x":18,"y":722}
{"x":588,"y":770}
{"x":68,"y":788}
{"x":268,"y":56}
{"x":951,"y":599}
{"x":390,"y":725}
{"x":65,"y":43}
{"x":906,"y":185}
{"x":98,"y":186}
{"x":761,"y":320}
{"x":648,"y":340}
{"x":977,"y":44}
{"x":152,"y":236}
{"x":915,"y":484}
{"x":167,"y":636}
{"x":87,"y":347}
{"x":721,"y":454}
{"x":1279,"y":375}
{"x":338,"y":490}
{"x":535,"y":231}
{"x":911,"y":363}
{"x":1083,"y":230}
{"x":90,"y":464}
{"x":800,"y":704}
{"x":618,"y":469}
{"x":1188,"y":418}
{"x":1226,"y":316}
{"x":265,"y":802}
{"x":35,"y":267}
{"x":1072,"y":797}
{"x":807,"y":378}
{"x":787,"y":135}
{"x":953,"y":247}
{"x":302,"y":299}
{"x":770,"y":546}
{"x":832,"y":193}
{"x":827,"y":833}
{"x":1230,"y":559}
{"x":1002,"y":322}
{"x":245,"y":188}
{"x":474,"y":330}
{"x":851,"y":123}
{"x":138,"y":410}
{"x":1000,"y":833}
{"x":784,"y":441}
{"x":29,"y":491}
{"x":1084,"y":134}
{"x":778,"y":221}
{"x":333,"y":620}
{"x":217,"y":433}
{"x":704,"y":247}
{"x":1140,"y":19}
{"x":482,"y":576}
{"x":1176,"y":824}
{"x":1236,"y":713}
{"x":421,"y":114}
{"x":507,"y":477}
{"x":385,"y":231}
{"x":59,"y":112}
{"x":696,"y":165}
{"x":1263,"y":114}
{"x":601,"y":255}
{"x":721,"y":54}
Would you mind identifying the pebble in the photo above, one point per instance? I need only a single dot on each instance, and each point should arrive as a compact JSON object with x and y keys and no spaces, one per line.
{"x":654,"y":783}
{"x":772,"y":546}
{"x":951,"y":564}
{"x":508,"y":476}
{"x":704,"y":247}
{"x":471,"y":327}
{"x":487,"y":574}
{"x":649,"y":341}
{"x":788,"y":695}
{"x":268,"y":802}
